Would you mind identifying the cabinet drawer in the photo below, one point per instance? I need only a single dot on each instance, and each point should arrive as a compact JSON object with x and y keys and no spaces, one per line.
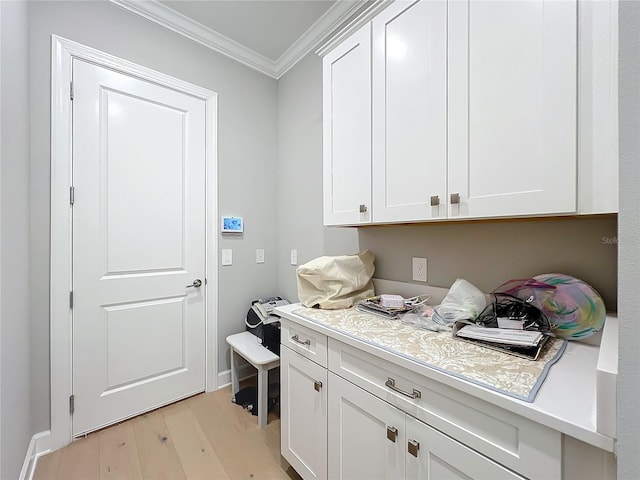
{"x":524,"y":446}
{"x":306,"y":342}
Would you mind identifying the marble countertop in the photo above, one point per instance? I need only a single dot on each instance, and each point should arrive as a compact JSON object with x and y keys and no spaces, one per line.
{"x":566,"y":401}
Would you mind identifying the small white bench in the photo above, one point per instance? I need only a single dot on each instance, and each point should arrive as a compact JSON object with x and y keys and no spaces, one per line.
{"x":245,"y":345}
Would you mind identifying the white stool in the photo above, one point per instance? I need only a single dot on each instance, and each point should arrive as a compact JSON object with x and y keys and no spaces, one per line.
{"x":245,"y":345}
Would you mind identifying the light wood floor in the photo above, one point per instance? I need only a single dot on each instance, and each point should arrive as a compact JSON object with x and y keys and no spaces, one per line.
{"x":203,"y":437}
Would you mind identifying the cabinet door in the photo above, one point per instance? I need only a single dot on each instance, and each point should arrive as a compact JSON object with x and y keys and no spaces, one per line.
{"x":512,"y":107}
{"x":346,"y":87}
{"x":303,"y":414}
{"x":410,"y":112}
{"x":434,"y":456}
{"x":366,"y":434}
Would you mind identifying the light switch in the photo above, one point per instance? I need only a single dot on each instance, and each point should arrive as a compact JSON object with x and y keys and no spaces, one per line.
{"x":260,"y":255}
{"x":227,"y":256}
{"x":294,"y":257}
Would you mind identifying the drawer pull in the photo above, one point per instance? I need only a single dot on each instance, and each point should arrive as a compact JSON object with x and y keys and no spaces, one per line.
{"x":392,"y":433}
{"x":296,"y":339}
{"x":317,"y":385}
{"x":391,"y":383}
{"x":412,"y":447}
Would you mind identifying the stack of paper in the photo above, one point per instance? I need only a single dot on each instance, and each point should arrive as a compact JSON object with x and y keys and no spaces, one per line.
{"x":501,"y":335}
{"x":522,"y":343}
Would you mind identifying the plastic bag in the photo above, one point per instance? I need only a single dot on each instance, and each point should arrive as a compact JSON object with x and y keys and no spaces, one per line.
{"x":513,"y":306}
{"x":422,"y":317}
{"x":463,"y":302}
{"x":336,"y":282}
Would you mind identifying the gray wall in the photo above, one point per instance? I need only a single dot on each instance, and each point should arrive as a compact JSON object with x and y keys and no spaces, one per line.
{"x":488,"y":253}
{"x":247,"y":149}
{"x":15,"y":416}
{"x":300,"y":176}
{"x":629,"y":248}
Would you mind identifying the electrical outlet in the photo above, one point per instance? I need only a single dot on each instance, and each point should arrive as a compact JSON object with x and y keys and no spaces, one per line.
{"x":260,"y":255}
{"x":419,"y":269}
{"x":294,"y":257}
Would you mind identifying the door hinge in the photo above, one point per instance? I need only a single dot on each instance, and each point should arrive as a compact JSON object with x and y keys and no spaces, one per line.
{"x":71,"y":90}
{"x":72,"y":404}
{"x":71,"y":299}
{"x":72,"y":195}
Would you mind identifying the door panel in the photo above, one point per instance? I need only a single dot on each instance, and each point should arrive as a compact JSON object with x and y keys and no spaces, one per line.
{"x":304,"y":419}
{"x":128,"y":327}
{"x":158,"y":211}
{"x":436,"y":456}
{"x":138,"y":241}
{"x":512,"y":107}
{"x":346,"y":87}
{"x":410,"y":111}
{"x":359,"y":443}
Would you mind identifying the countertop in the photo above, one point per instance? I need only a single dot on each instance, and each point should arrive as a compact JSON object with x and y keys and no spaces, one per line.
{"x":566,"y":401}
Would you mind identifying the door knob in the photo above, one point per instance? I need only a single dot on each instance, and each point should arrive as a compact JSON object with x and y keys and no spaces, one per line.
{"x":196,"y":283}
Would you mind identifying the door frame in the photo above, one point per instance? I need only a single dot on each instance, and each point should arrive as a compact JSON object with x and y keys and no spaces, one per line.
{"x":63,"y":51}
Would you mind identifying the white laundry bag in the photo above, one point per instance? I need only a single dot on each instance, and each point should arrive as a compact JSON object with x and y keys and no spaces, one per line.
{"x":336,"y":282}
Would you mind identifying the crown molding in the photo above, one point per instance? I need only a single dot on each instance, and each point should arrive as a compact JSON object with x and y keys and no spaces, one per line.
{"x":373,"y":7}
{"x":162,"y":15}
{"x":322,"y":29}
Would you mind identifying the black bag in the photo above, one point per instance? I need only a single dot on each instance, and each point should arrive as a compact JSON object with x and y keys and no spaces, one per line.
{"x":268,"y":333}
{"x":247,"y":398}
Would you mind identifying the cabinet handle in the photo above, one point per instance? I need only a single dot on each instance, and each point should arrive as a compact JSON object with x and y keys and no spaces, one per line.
{"x":317,"y":385}
{"x":455,"y":198}
{"x":412,"y":447}
{"x":363,"y":208}
{"x":391,"y":383}
{"x":435,"y":200}
{"x":392,"y":433}
{"x":295,"y":338}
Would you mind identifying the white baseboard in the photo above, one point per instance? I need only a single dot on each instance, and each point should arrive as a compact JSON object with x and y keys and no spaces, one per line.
{"x":224,"y":379}
{"x":39,"y":445}
{"x":246,"y":371}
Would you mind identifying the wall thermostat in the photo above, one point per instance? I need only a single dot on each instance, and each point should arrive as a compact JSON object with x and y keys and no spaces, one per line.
{"x":232,"y":225}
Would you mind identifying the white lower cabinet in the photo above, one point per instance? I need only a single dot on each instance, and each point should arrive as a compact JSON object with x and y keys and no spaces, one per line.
{"x":366,"y":434}
{"x":369,"y":438}
{"x":303,"y":414}
{"x":432,"y":455}
{"x":347,"y":413}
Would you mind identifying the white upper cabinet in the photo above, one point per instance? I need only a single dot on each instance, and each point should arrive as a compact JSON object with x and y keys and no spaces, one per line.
{"x":512,"y":108}
{"x":347,"y":131}
{"x":444,"y":110}
{"x":410,"y":112}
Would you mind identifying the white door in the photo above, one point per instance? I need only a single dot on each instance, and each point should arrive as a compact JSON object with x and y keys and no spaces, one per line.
{"x":512,"y":107}
{"x":304,"y":419}
{"x":431,"y":455}
{"x":346,"y":85}
{"x":410,"y":112}
{"x":366,"y":435}
{"x":138,"y":246}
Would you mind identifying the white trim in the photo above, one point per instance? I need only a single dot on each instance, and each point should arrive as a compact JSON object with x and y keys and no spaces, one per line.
{"x":317,"y":33}
{"x":63,"y":52}
{"x":246,"y":371}
{"x":39,"y":445}
{"x":373,"y":8}
{"x":167,"y":17}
